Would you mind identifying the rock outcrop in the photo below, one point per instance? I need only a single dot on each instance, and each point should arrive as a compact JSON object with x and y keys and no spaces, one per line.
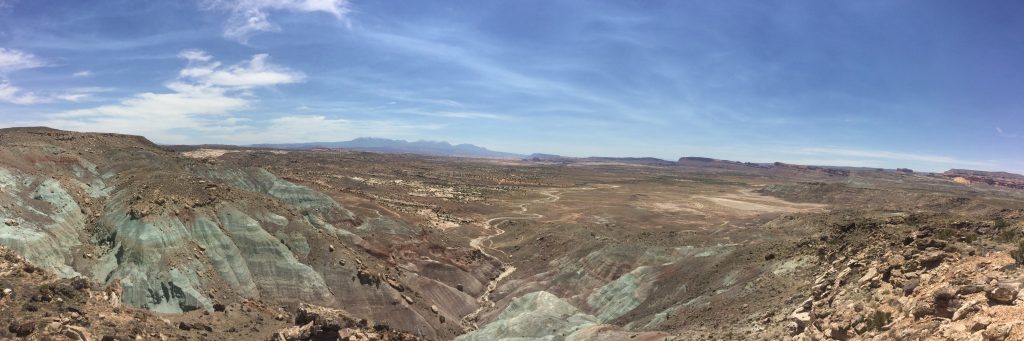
{"x":903,"y":283}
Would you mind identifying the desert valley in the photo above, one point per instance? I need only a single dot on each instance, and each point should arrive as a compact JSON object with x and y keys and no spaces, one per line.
{"x":112,"y":237}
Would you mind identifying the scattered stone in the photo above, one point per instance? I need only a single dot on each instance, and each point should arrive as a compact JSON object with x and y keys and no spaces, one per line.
{"x":980,"y":323}
{"x":922,"y":309}
{"x":997,"y":332}
{"x":11,"y":222}
{"x":969,"y":289}
{"x":22,"y":328}
{"x":868,"y":275}
{"x":801,"y":320}
{"x":910,"y":286}
{"x":1002,"y":294}
{"x":77,"y":333}
{"x":966,"y":310}
{"x":394,"y":284}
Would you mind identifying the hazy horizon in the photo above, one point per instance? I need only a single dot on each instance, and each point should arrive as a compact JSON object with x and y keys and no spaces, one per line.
{"x":926,"y":85}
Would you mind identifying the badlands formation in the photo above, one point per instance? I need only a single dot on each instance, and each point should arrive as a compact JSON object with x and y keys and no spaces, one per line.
{"x":111,"y":237}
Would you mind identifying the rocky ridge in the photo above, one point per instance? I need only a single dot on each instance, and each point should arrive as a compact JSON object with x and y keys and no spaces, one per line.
{"x":913,"y":278}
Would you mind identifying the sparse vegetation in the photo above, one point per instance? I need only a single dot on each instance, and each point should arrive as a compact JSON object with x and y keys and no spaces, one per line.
{"x":1018,"y":252}
{"x":879,"y":319}
{"x":945,"y":234}
{"x":1007,"y":235}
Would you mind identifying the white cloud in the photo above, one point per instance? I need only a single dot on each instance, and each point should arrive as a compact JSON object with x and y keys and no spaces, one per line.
{"x":195,"y":101}
{"x":160,"y":116}
{"x":248,"y":17}
{"x":83,"y":73}
{"x":204,"y":103}
{"x":14,"y":60}
{"x":12,"y":94}
{"x":253,"y":73}
{"x":466,"y":115}
{"x":193,"y":55}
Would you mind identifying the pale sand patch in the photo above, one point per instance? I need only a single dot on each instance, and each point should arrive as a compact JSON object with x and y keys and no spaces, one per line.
{"x":207,"y":153}
{"x":674,"y":207}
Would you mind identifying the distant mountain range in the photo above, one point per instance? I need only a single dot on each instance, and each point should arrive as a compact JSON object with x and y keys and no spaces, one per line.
{"x":650,"y":161}
{"x":381,"y":145}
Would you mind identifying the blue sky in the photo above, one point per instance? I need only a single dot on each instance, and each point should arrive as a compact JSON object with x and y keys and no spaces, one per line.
{"x":923,"y":84}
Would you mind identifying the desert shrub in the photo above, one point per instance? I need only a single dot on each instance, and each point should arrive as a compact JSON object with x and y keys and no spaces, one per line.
{"x":1018,"y":252}
{"x":1000,"y":223}
{"x":945,"y":234}
{"x":1007,"y":235}
{"x":879,"y":319}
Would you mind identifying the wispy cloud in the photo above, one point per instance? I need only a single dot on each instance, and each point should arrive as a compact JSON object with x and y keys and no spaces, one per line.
{"x":248,"y":17}
{"x":14,"y":60}
{"x":80,"y":94}
{"x":255,"y":72}
{"x":208,"y":99}
{"x":465,"y":115}
{"x":12,"y":94}
{"x":196,"y":100}
{"x":1000,"y":132}
{"x":81,"y":74}
{"x":499,"y":74}
{"x":887,"y":155}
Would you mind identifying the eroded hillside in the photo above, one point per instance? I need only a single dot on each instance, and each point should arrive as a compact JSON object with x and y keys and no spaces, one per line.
{"x":216,"y":243}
